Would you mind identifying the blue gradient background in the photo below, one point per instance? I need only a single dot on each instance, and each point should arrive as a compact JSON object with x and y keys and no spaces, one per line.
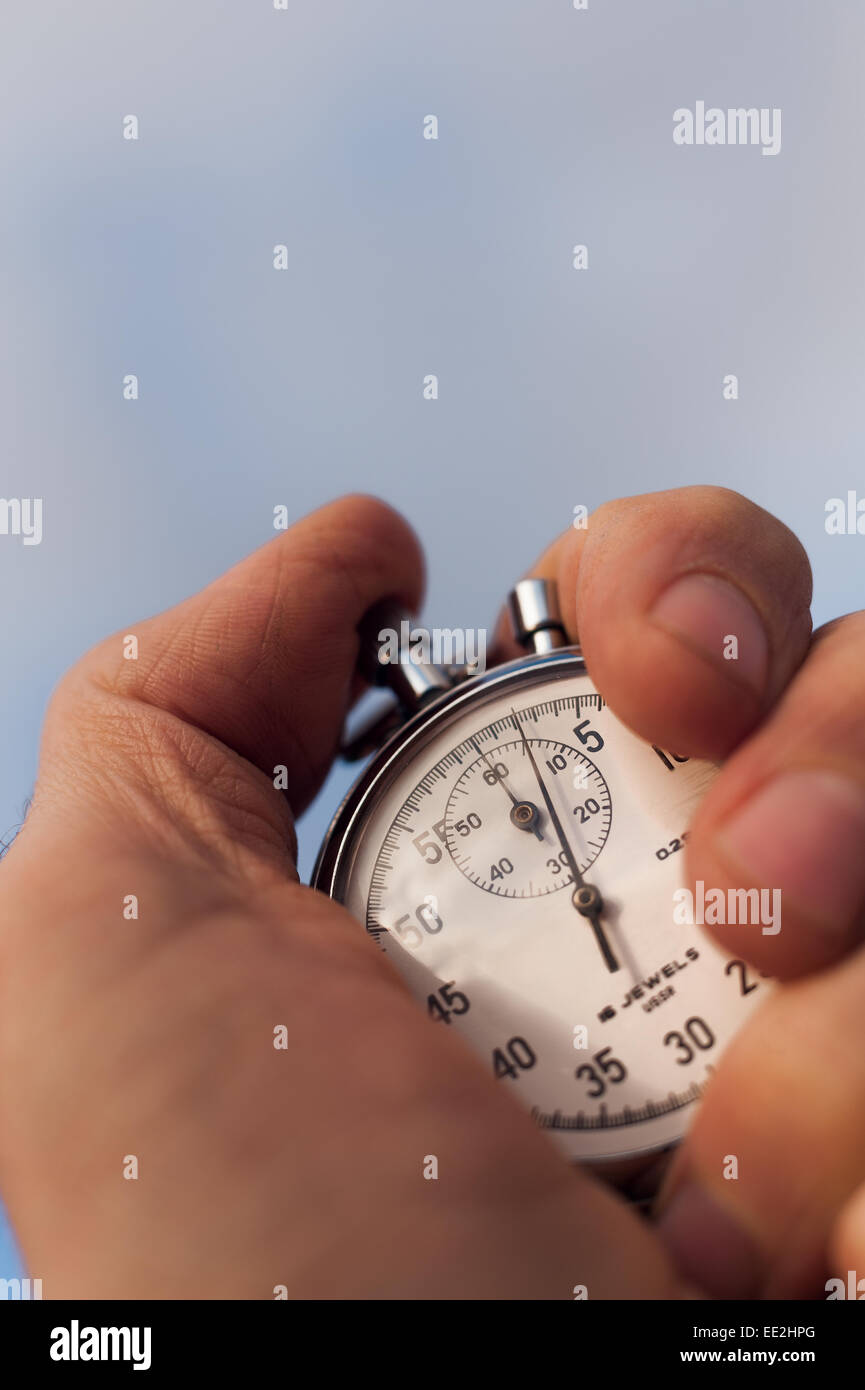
{"x":408,"y":257}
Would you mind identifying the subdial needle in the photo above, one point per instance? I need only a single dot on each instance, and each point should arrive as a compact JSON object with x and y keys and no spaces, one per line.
{"x":524,"y":814}
{"x":586,"y":897}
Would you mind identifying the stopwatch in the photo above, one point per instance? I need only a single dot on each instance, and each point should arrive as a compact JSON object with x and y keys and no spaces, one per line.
{"x":516,"y":852}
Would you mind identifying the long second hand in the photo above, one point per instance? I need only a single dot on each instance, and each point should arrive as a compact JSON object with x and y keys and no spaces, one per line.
{"x":592,"y":902}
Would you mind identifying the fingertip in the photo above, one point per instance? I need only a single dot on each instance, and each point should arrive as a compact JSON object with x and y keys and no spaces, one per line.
{"x":664,"y":692}
{"x":373,"y":538}
{"x":691,"y":609}
{"x":786,"y":855}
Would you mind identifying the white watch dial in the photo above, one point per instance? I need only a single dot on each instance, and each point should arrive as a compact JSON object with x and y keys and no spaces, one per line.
{"x":464,"y":867}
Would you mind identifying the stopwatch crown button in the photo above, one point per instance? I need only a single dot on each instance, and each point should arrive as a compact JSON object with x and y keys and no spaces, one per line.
{"x":536,"y":618}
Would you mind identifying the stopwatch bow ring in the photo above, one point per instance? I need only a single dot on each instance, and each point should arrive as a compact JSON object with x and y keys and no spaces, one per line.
{"x":536,"y":622}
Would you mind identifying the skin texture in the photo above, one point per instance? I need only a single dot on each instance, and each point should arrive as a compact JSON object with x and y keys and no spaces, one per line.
{"x":303,"y":1167}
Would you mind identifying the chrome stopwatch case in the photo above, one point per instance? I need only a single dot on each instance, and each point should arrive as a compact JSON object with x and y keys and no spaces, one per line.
{"x":516,"y":851}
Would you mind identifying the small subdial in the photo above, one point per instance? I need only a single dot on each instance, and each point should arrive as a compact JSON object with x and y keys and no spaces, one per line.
{"x":499,"y":832}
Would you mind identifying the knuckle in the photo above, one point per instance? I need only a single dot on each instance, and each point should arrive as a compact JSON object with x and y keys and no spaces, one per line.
{"x":164,"y":782}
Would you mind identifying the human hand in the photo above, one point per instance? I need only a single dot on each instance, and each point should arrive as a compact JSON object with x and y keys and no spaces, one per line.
{"x":786,"y":812}
{"x":153,"y":1036}
{"x":303,"y":1167}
